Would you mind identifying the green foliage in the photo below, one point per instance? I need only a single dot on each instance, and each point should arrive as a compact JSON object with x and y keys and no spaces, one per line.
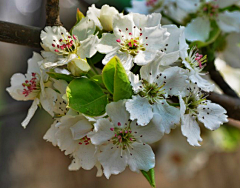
{"x":59,"y":76}
{"x":116,"y":80}
{"x":215,"y":32}
{"x":230,"y":138}
{"x":98,"y":80}
{"x":150,"y":176}
{"x":86,"y":96}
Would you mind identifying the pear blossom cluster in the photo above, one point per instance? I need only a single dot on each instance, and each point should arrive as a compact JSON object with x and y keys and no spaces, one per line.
{"x":162,"y":75}
{"x":205,"y":21}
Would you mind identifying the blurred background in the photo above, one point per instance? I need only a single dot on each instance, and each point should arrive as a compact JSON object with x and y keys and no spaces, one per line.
{"x":27,"y":161}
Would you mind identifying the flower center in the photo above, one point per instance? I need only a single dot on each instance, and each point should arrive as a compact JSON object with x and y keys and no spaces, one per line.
{"x":196,"y":60}
{"x":192,"y":101}
{"x":152,"y":91}
{"x":66,"y":45}
{"x":132,"y":44}
{"x":123,"y":137}
{"x":210,"y":9}
{"x":30,"y":85}
{"x":85,"y":140}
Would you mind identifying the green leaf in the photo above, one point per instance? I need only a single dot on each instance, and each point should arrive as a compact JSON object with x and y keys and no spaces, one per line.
{"x":212,"y":37}
{"x":87,"y":97}
{"x":79,"y":16}
{"x":59,"y":76}
{"x":116,"y":80}
{"x":150,"y":176}
{"x":98,"y":80}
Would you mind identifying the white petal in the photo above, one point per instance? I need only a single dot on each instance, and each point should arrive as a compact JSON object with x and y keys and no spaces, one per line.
{"x":50,"y":135}
{"x":80,"y":129}
{"x":169,"y":58}
{"x":16,"y":89}
{"x":198,"y":29}
{"x":93,"y":13}
{"x":229,"y":21}
{"x":224,"y":3}
{"x":212,"y":115}
{"x":118,"y":113}
{"x":183,"y":46}
{"x":154,"y":34}
{"x":175,"y":80}
{"x":134,"y":79}
{"x":107,"y":43}
{"x":99,"y":169}
{"x":85,"y":155}
{"x":49,"y":34}
{"x":173,"y":40}
{"x":60,"y":85}
{"x":108,"y":57}
{"x":126,"y":60}
{"x":150,"y":20}
{"x":111,"y":160}
{"x":147,"y":134}
{"x":182,"y":106}
{"x":49,"y":56}
{"x":106,"y":17}
{"x":121,"y":23}
{"x":165,"y":115}
{"x":88,"y":47}
{"x":231,"y":53}
{"x":142,"y":157}
{"x":150,"y":71}
{"x":101,"y":133}
{"x":201,"y":82}
{"x":145,"y":57}
{"x":33,"y":66}
{"x":139,"y":109}
{"x":31,"y":112}
{"x":75,"y":165}
{"x":191,"y":130}
{"x":47,"y":101}
{"x":84,"y":29}
{"x":66,"y":142}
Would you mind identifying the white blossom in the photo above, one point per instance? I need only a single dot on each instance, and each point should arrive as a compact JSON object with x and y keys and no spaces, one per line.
{"x":60,"y":47}
{"x":34,"y":85}
{"x":70,"y":134}
{"x":175,"y":9}
{"x":122,"y":142}
{"x":103,"y":18}
{"x":199,"y":28}
{"x":195,"y":63}
{"x":131,"y":43}
{"x":194,"y":108}
{"x":152,"y":91}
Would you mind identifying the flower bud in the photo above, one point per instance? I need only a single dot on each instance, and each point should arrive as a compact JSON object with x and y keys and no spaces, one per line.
{"x":106,"y":17}
{"x":78,"y":67}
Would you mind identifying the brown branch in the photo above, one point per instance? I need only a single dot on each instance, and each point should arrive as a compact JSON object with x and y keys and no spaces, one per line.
{"x":234,"y":123}
{"x":52,"y":13}
{"x":231,"y":104}
{"x":20,"y":34}
{"x":219,"y":80}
